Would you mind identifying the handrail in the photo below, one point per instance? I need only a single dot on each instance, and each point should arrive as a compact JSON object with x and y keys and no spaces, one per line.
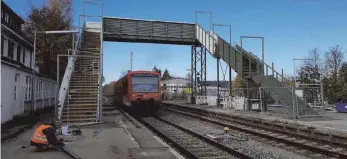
{"x":67,"y":75}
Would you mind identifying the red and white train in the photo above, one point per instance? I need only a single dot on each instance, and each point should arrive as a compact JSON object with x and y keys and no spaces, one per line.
{"x":140,"y":89}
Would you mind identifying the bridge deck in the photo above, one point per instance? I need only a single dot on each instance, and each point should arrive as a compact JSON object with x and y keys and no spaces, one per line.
{"x":147,"y":31}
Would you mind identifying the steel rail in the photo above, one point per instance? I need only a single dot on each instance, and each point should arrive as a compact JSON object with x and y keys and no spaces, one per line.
{"x":208,"y":140}
{"x":293,"y":130}
{"x":199,"y":115}
{"x":181,"y":148}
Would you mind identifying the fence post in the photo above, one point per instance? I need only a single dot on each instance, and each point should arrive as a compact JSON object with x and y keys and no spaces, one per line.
{"x":261,"y":101}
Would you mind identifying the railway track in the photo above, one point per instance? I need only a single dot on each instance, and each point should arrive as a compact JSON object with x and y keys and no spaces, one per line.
{"x":283,"y":139}
{"x":190,"y":143}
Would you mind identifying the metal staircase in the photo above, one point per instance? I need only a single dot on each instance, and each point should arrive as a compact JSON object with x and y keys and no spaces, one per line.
{"x":82,"y":103}
{"x":82,"y":96}
{"x":253,"y":69}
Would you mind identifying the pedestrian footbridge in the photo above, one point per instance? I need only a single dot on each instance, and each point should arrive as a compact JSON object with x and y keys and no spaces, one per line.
{"x":72,"y":108}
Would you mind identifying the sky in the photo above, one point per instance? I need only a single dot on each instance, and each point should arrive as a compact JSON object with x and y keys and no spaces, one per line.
{"x":290,"y":29}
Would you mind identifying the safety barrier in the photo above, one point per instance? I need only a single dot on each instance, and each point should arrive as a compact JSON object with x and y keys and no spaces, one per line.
{"x":236,"y":102}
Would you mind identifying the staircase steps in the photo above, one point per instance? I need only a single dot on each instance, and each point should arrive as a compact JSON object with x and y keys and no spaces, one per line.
{"x":81,"y":105}
{"x":77,"y":120}
{"x":84,"y":89}
{"x":71,"y":103}
{"x":84,"y":85}
{"x":272,"y":85}
{"x":79,"y":108}
{"x":80,"y":112}
{"x":82,"y":101}
{"x":72,"y":97}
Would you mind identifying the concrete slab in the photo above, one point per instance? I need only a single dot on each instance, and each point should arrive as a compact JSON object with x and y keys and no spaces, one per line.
{"x":109,"y":143}
{"x":11,"y":149}
{"x":118,"y":138}
{"x":152,"y":153}
{"x":334,"y":121}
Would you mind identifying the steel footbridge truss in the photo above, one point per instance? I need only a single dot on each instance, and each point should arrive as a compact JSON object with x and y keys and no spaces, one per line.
{"x":256,"y":72}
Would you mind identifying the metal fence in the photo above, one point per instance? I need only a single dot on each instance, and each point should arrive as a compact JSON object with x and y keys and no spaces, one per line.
{"x":175,"y":92}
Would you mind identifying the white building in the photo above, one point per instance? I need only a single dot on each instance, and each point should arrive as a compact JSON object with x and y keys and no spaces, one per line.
{"x":174,"y":84}
{"x":17,"y":65}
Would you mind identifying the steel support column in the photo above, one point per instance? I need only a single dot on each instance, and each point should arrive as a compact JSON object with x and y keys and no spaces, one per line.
{"x":218,"y":84}
{"x":192,"y":62}
{"x":198,"y":72}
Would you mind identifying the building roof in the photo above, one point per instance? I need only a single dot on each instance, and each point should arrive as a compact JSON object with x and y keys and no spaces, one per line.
{"x":4,"y":6}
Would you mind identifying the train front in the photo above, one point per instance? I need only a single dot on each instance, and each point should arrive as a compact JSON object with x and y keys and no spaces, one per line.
{"x":145,"y":89}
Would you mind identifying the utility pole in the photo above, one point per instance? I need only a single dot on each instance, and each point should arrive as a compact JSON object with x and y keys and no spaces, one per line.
{"x":131,"y":61}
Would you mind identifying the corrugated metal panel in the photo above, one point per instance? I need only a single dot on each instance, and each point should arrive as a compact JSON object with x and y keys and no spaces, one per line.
{"x":132,"y":30}
{"x":159,"y":29}
{"x":144,"y":28}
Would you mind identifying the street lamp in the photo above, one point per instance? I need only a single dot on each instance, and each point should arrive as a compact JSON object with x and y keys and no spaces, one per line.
{"x":33,"y":103}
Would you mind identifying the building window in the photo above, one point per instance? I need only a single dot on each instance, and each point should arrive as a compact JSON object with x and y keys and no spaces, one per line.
{"x":2,"y":45}
{"x":31,"y":59}
{"x":2,"y":14}
{"x":41,"y":90}
{"x":37,"y":89}
{"x":53,"y":90}
{"x":7,"y":17}
{"x":28,"y":88}
{"x":47,"y":90}
{"x":44,"y":89}
{"x":23,"y":53}
{"x":10,"y":49}
{"x":18,"y":52}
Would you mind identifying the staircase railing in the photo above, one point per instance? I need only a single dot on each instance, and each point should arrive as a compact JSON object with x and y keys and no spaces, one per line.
{"x":67,"y":75}
{"x":211,"y":42}
{"x":207,"y":39}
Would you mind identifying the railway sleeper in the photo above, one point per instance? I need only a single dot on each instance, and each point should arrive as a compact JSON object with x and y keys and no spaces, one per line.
{"x":311,"y":145}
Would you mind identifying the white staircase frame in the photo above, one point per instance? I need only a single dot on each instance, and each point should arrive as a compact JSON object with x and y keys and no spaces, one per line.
{"x":68,"y":74}
{"x":90,"y":27}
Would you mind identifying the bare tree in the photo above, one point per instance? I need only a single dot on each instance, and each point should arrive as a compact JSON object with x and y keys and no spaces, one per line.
{"x":333,"y":63}
{"x":333,"y":60}
{"x":311,"y":70}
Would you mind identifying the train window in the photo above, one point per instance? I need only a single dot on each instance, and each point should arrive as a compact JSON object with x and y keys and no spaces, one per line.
{"x":144,"y":83}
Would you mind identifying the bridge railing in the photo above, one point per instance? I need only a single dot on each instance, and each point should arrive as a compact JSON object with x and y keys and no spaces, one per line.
{"x":207,"y":39}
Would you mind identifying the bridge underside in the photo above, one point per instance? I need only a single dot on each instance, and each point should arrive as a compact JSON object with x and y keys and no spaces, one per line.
{"x":146,"y":31}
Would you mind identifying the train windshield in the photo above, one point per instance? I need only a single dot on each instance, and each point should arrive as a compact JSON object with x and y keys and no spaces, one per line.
{"x":144,"y":83}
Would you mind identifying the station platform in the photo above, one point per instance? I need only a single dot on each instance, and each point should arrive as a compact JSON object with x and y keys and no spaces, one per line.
{"x":334,"y":122}
{"x":115,"y":138}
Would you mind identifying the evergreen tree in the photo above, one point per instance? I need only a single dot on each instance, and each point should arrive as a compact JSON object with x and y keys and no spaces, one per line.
{"x":166,"y":75}
{"x":157,"y":70}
